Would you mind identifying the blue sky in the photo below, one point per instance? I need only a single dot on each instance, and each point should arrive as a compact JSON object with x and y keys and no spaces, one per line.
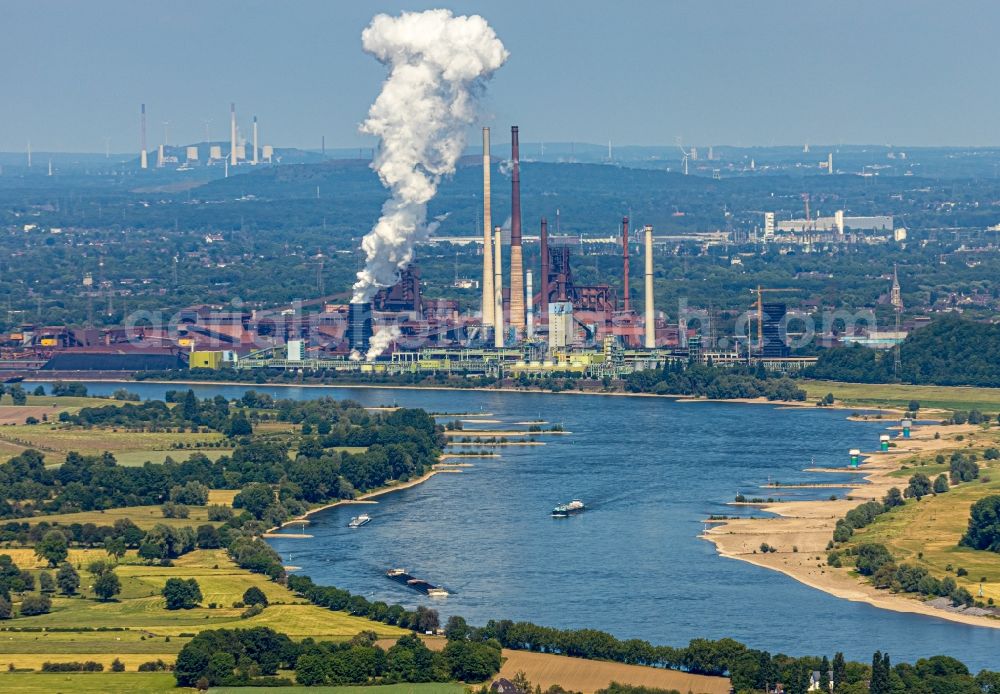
{"x":734,"y":72}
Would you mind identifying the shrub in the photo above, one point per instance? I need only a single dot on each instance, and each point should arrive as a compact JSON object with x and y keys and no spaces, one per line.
{"x":33,"y":605}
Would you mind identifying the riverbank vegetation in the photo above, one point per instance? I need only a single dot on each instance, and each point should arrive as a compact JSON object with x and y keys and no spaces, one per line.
{"x":934,"y":534}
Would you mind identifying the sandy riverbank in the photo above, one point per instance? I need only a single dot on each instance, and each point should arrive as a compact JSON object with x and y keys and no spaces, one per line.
{"x":801,"y":530}
{"x":368,"y":496}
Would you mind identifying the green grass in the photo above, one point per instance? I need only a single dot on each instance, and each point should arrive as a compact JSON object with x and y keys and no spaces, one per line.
{"x":926,"y":533}
{"x":139,"y":458}
{"x":140,"y":610}
{"x":104,"y":682}
{"x":898,"y":396}
{"x":422,"y":688}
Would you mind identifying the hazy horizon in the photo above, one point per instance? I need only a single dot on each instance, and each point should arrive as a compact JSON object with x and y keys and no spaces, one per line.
{"x":724,"y":73}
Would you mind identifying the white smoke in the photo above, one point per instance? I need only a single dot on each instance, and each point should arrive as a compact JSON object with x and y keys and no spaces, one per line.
{"x":381,"y":340}
{"x":438,"y":64}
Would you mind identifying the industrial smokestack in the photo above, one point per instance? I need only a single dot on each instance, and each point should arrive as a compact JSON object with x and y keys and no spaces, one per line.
{"x":488,"y":298}
{"x":529,"y":304}
{"x":516,"y":261}
{"x":544,"y":295}
{"x":650,"y":341}
{"x":232,"y":133}
{"x":497,"y":288}
{"x":143,"y":160}
{"x":255,"y":140}
{"x":625,"y":262}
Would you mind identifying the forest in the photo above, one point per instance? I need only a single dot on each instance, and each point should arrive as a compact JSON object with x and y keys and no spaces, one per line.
{"x":951,"y":351}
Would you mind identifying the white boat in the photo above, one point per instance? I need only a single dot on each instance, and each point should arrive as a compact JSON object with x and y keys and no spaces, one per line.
{"x":358,"y":521}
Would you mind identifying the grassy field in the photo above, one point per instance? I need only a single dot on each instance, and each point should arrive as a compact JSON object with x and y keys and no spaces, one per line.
{"x":926,"y":533}
{"x":98,"y":682}
{"x":147,"y":630}
{"x":898,"y":396}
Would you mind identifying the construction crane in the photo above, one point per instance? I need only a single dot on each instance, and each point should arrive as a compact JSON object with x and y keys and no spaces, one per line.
{"x":760,"y":312}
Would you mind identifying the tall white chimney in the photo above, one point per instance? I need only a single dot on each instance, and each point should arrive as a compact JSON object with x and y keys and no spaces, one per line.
{"x":488,"y":295}
{"x":232,"y":133}
{"x":255,"y":140}
{"x":529,"y":306}
{"x":650,"y":341}
{"x":143,"y":157}
{"x":497,"y":288}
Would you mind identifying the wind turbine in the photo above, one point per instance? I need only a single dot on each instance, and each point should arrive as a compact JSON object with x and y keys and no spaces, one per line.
{"x":687,"y":155}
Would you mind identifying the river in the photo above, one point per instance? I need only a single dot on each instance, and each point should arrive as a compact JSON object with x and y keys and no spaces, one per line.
{"x":650,"y":471}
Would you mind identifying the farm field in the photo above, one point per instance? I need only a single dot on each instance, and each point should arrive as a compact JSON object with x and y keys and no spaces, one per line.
{"x":138,"y":628}
{"x":96,"y":682}
{"x":898,"y":396}
{"x":588,"y":676}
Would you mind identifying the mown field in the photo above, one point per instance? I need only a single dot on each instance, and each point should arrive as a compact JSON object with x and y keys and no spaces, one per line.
{"x":143,"y":516}
{"x":139,"y":628}
{"x":96,"y":682}
{"x":926,"y":532}
{"x":898,"y":396}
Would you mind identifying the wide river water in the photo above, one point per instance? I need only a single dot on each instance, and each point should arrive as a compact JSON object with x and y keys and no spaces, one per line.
{"x":650,"y":471}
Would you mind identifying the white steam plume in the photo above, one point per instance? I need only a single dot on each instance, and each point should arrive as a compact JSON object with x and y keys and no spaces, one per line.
{"x":438,"y":64}
{"x":381,"y":340}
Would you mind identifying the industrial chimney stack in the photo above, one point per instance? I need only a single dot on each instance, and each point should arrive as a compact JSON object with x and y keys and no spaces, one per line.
{"x":143,"y":160}
{"x":488,"y":298}
{"x":543,"y":315}
{"x":497,"y":288}
{"x":232,"y":133}
{"x":255,"y":140}
{"x":625,"y":263}
{"x":516,"y":261}
{"x":650,"y":341}
{"x":529,"y":303}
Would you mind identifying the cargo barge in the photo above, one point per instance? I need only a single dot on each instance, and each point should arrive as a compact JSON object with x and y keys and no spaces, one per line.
{"x":417,"y":584}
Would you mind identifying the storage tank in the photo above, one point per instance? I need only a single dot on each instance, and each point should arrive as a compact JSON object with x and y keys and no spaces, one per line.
{"x":855,"y":457}
{"x":883,"y":443}
{"x":907,"y":424}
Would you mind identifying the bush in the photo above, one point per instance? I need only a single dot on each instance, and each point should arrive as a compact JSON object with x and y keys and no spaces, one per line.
{"x":117,"y":665}
{"x":252,"y":611}
{"x":871,"y":557}
{"x":33,"y":605}
{"x":88,"y":666}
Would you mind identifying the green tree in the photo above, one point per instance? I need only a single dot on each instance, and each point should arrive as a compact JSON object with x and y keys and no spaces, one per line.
{"x":941,"y":484}
{"x":220,"y":667}
{"x":45,"y":582}
{"x":254,"y":596}
{"x":914,"y":406}
{"x":181,"y":594}
{"x":824,"y":673}
{"x":255,"y":498}
{"x":68,"y":579}
{"x":984,"y":525}
{"x":310,"y":670}
{"x":880,"y":682}
{"x":919,"y":486}
{"x":107,"y":586}
{"x":189,"y":407}
{"x":115,"y":547}
{"x":53,"y":548}
{"x":839,"y":670}
{"x":238,"y":425}
{"x":893,"y":498}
